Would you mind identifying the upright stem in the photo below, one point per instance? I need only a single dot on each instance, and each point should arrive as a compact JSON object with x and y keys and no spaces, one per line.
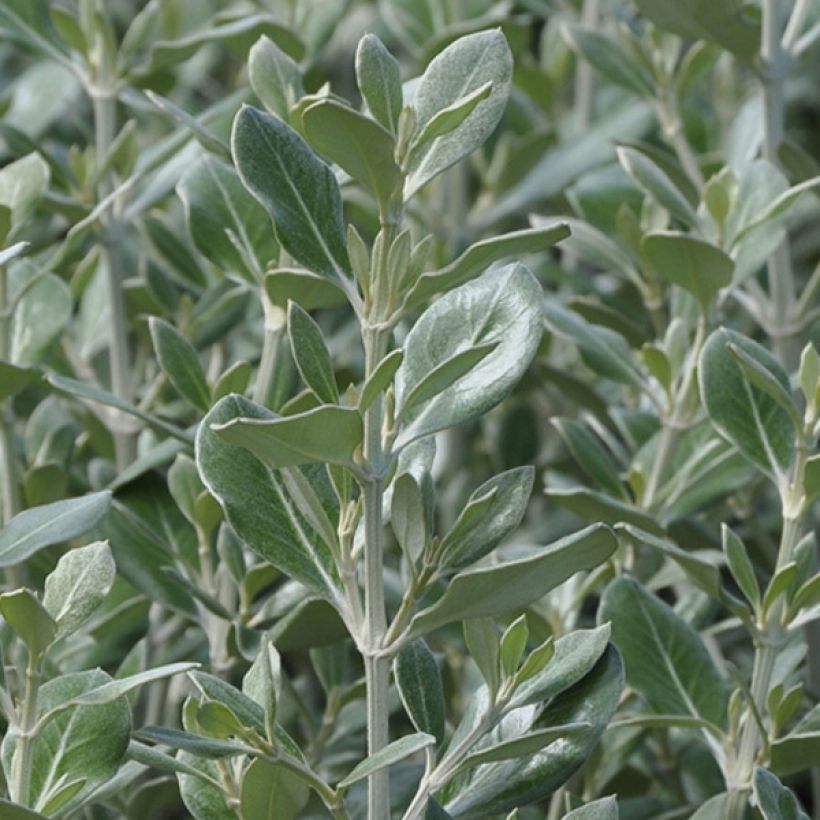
{"x":23,"y":754}
{"x":767,"y":644}
{"x":8,"y":475}
{"x":584,"y":74}
{"x":678,"y":416}
{"x":672,"y":126}
{"x":105,"y":129}
{"x":377,"y":668}
{"x":274,"y":329}
{"x":774,"y":62}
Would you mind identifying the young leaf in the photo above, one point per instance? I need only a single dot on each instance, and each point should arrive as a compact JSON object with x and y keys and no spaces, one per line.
{"x":462,"y":68}
{"x":513,"y":585}
{"x":499,"y":787}
{"x":297,"y":189}
{"x":311,"y":355}
{"x":484,"y":646}
{"x":29,"y":619}
{"x":418,"y":681}
{"x":271,"y":790}
{"x":234,"y":380}
{"x":181,"y":364}
{"x":78,"y":585}
{"x":782,"y":581}
{"x":492,"y":512}
{"x":443,"y":376}
{"x":448,"y":119}
{"x":698,"y":267}
{"x":575,"y":654}
{"x":654,"y":181}
{"x":481,"y":255}
{"x":380,"y":379}
{"x":377,"y":74}
{"x":749,"y":418}
{"x":408,"y":517}
{"x":502,"y":308}
{"x":40,"y":527}
{"x":740,"y":566}
{"x":810,"y":374}
{"x":274,"y":77}
{"x":357,"y":144}
{"x":666,"y":660}
{"x":392,"y":753}
{"x":760,"y":377}
{"x":227,"y":225}
{"x":263,"y":682}
{"x":513,"y":645}
{"x":328,"y":434}
{"x":214,"y":719}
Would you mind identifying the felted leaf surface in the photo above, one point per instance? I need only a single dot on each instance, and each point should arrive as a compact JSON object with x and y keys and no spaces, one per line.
{"x":462,"y":68}
{"x":297,"y":189}
{"x":83,"y":743}
{"x":40,"y":527}
{"x":226,"y":223}
{"x":493,"y":788}
{"x":747,"y":416}
{"x":513,"y":585}
{"x":666,"y":660}
{"x":502,"y":307}
{"x":256,"y":502}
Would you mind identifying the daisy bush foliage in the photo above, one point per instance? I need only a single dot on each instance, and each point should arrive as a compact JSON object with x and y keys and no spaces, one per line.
{"x":409,"y":409}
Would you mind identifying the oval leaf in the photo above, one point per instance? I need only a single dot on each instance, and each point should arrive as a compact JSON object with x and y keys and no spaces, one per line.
{"x":297,"y":189}
{"x":503,"y":308}
{"x":40,"y":527}
{"x":748,"y":417}
{"x":666,"y":660}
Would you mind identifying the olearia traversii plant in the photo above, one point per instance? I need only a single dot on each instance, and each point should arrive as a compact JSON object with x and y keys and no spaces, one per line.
{"x":409,"y":410}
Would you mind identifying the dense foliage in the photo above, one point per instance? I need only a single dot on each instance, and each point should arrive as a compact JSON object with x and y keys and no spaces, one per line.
{"x":409,"y":409}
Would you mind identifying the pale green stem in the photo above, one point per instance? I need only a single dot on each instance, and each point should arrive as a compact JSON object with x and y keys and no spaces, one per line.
{"x":663,"y":455}
{"x":446,"y":768}
{"x":105,"y":129}
{"x":779,"y":266}
{"x":767,"y":645}
{"x":672,"y":127}
{"x":377,"y":668}
{"x":20,"y":785}
{"x":584,"y":73}
{"x":678,"y":417}
{"x":795,"y":25}
{"x":11,"y":490}
{"x":274,"y":330}
{"x":11,"y":503}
